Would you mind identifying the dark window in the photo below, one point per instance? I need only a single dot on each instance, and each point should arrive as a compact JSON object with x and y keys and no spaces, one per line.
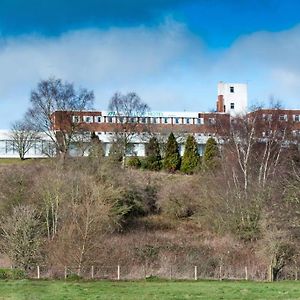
{"x":231,"y":105}
{"x":283,"y":118}
{"x":232,"y":89}
{"x":199,"y":121}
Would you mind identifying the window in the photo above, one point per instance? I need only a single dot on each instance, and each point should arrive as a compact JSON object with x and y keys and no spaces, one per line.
{"x":130,"y":120}
{"x":109,"y":119}
{"x":297,"y":118}
{"x":267,"y":117}
{"x":199,"y":121}
{"x":75,"y":119}
{"x":153,"y":120}
{"x":176,"y":120}
{"x":232,"y":89}
{"x":283,"y":118}
{"x":231,"y":105}
{"x":166,"y":120}
{"x":143,"y":120}
{"x":211,"y":121}
{"x":187,"y":121}
{"x":98,"y":119}
{"x":87,"y":119}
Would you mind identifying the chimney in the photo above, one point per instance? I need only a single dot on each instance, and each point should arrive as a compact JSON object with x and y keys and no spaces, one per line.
{"x":220,"y":104}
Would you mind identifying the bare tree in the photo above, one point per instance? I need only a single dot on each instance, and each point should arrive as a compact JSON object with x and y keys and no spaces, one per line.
{"x":23,"y":137}
{"x":21,"y":236}
{"x":53,"y":95}
{"x":258,"y":141}
{"x":130,"y":112}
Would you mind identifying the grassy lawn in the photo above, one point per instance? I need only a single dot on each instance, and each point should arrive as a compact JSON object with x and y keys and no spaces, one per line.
{"x":142,"y":290}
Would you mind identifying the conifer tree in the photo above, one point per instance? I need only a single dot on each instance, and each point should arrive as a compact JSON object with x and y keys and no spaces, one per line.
{"x":190,"y":158}
{"x":153,"y":157}
{"x":96,"y":150}
{"x":172,"y":156}
{"x":211,"y":154}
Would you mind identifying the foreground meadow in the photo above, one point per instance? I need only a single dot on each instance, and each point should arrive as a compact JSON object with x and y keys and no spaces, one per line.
{"x":143,"y":290}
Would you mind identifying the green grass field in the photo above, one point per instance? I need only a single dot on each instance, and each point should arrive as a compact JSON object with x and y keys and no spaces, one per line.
{"x":142,"y":290}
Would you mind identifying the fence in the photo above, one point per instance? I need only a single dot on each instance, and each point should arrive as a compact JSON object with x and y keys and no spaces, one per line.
{"x":172,"y":272}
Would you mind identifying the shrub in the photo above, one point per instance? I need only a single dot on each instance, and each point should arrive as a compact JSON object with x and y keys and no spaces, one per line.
{"x":178,"y":198}
{"x":134,"y":162}
{"x":12,"y":274}
{"x":73,"y":277}
{"x":3,"y":274}
{"x":17,"y":274}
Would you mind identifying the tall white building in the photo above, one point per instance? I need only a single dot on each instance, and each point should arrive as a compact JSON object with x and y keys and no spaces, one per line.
{"x":232,"y":98}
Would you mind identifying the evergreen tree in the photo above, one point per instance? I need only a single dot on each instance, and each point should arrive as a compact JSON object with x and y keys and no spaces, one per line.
{"x":172,"y":156}
{"x":96,"y":150}
{"x":116,"y":152}
{"x":211,"y":154}
{"x":190,"y":158}
{"x":153,"y":157}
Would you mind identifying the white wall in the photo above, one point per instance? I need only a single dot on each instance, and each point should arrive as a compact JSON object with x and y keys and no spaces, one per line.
{"x":239,"y":97}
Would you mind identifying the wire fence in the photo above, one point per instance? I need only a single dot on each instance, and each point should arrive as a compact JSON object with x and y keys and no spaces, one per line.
{"x":172,"y":272}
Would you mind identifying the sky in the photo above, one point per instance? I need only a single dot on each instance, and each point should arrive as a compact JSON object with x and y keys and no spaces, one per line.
{"x":171,"y":52}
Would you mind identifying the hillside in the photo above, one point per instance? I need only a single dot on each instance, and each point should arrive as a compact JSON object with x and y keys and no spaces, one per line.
{"x":85,"y":213}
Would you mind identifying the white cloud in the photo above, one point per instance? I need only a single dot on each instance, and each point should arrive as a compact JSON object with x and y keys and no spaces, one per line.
{"x":167,"y":65}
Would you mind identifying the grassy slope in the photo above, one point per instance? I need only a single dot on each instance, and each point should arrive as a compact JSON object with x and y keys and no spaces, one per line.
{"x":148,"y":290}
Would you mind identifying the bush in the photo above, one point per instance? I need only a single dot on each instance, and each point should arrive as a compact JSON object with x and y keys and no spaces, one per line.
{"x":73,"y":277}
{"x":134,"y":162}
{"x":12,"y":274}
{"x":17,"y":274}
{"x":3,"y":274}
{"x":178,"y":198}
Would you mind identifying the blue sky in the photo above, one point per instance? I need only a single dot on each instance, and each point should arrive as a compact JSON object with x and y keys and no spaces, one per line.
{"x":172,"y":52}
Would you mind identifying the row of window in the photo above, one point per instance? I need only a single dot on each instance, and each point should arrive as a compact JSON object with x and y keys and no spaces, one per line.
{"x":268,"y":117}
{"x":141,"y":120}
{"x":37,"y":148}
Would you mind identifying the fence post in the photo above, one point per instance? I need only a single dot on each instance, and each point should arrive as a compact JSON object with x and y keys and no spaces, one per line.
{"x":296,"y":274}
{"x":270,"y":273}
{"x":66,"y":272}
{"x":246,"y":273}
{"x":171,"y":272}
{"x":38,"y":272}
{"x":220,"y":273}
{"x":118,"y":275}
{"x":92,"y":272}
{"x":196,"y":273}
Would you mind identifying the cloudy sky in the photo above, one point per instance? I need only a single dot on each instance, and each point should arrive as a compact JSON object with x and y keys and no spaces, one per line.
{"x":171,"y":52}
